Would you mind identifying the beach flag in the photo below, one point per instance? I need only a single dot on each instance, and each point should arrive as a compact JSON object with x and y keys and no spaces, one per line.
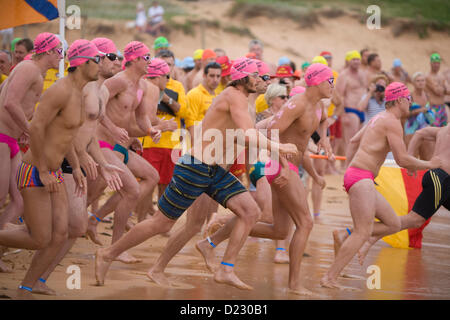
{"x":401,"y":191}
{"x":19,"y":12}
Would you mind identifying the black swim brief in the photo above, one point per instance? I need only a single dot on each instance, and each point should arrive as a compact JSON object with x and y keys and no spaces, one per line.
{"x":435,"y":193}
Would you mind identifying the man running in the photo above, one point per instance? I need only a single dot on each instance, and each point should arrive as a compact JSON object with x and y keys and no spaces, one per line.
{"x":90,"y":156}
{"x":366,"y":154}
{"x":192,"y":177}
{"x":435,"y":184}
{"x":128,"y":103}
{"x":18,"y":98}
{"x":55,"y":124}
{"x":296,"y":122}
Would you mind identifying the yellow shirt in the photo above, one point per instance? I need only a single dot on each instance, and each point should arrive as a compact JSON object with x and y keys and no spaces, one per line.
{"x":50,"y":78}
{"x":220,"y":88}
{"x":3,"y":78}
{"x":170,"y":139}
{"x":261,"y":104}
{"x":199,"y":100}
{"x":332,"y":106}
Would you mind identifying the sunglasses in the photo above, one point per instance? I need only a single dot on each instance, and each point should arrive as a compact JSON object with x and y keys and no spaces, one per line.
{"x":112,"y":56}
{"x":265,"y":77}
{"x":96,"y":59}
{"x":168,"y":76}
{"x":146,"y":58}
{"x":283,"y":97}
{"x":331,"y":80}
{"x":59,"y":50}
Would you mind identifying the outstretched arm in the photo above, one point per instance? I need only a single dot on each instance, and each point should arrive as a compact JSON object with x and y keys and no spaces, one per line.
{"x":428,"y":133}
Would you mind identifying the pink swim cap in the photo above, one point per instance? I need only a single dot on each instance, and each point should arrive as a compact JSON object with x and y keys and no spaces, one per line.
{"x":105,"y":45}
{"x":79,"y":50}
{"x":28,"y":56}
{"x":396,"y":90}
{"x":297,"y":90}
{"x":263,"y":68}
{"x":242,"y":67}
{"x":45,"y":41}
{"x":134,"y":50}
{"x":317,"y":73}
{"x":158,"y":67}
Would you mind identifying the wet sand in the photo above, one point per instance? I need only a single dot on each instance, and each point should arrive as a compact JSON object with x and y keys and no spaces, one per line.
{"x":405,"y":273}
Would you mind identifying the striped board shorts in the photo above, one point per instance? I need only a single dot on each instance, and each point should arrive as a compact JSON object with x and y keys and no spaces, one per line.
{"x":190,"y":179}
{"x":28,"y":176}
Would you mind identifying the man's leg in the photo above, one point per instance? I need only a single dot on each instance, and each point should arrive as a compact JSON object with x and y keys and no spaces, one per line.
{"x":77,"y":228}
{"x":142,"y":231}
{"x":196,"y":216}
{"x":316,"y":190}
{"x":126,"y":199}
{"x":350,"y":126}
{"x":15,"y":206}
{"x":43,"y":258}
{"x":247,"y":212}
{"x":363,"y":201}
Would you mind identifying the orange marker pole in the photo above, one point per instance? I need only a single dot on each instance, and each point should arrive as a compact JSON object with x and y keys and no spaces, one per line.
{"x":319,"y":156}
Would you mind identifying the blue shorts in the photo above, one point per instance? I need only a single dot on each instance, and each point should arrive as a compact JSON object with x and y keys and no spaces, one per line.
{"x":360,"y":114}
{"x":190,"y":179}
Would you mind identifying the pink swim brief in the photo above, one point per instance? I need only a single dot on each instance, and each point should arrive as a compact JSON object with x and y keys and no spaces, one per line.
{"x":353,"y":175}
{"x":12,"y":144}
{"x":273,"y":169}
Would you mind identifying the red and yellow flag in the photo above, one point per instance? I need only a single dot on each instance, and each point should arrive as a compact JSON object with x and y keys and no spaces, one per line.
{"x":19,"y":12}
{"x":401,"y":191}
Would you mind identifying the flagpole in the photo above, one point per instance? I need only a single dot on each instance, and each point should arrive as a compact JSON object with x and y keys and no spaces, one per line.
{"x":62,"y":25}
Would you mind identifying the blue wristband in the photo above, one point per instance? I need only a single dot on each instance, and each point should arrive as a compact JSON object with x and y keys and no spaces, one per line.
{"x":210,"y":242}
{"x":42,"y":280}
{"x":349,"y":232}
{"x":282,"y":249}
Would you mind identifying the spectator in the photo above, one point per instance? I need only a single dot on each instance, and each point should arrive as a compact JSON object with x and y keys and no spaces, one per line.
{"x":5,"y":64}
{"x":155,"y":19}
{"x":373,"y":102}
{"x":141,"y":17}
{"x":398,"y":74}
{"x":22,"y":48}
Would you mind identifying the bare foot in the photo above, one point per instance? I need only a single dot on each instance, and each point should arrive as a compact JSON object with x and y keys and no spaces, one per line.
{"x":158,"y":277}
{"x":302,"y":291}
{"x":101,"y":266}
{"x":332,"y":284}
{"x":281,"y":257}
{"x":42,"y":288}
{"x":22,"y":294}
{"x":214,"y":224}
{"x":4,"y":268}
{"x":339,"y":237}
{"x":127,"y":258}
{"x":207,"y":253}
{"x":230,"y":278}
{"x":92,"y":233}
{"x":362,"y":253}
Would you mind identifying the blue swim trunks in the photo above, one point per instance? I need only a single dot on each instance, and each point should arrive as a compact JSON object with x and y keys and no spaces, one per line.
{"x":360,"y":114}
{"x":190,"y":179}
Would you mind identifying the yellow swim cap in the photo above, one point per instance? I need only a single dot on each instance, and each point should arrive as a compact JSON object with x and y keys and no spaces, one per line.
{"x":354,"y":54}
{"x":198,"y":54}
{"x":320,"y":59}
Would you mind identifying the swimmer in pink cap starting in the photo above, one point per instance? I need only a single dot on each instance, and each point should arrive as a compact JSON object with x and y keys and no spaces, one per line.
{"x":197,"y":173}
{"x":365,"y":156}
{"x":129,"y":114}
{"x":18,"y":97}
{"x":299,"y":117}
{"x":91,"y":159}
{"x":39,"y":178}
